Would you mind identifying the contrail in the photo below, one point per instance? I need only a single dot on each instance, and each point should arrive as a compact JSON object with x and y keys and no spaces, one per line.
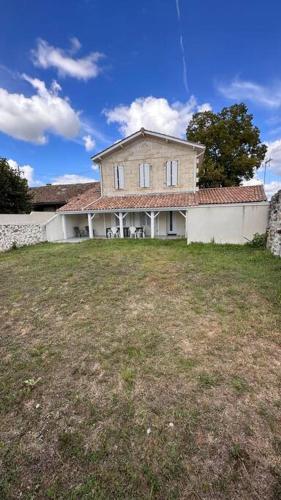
{"x":184,"y":65}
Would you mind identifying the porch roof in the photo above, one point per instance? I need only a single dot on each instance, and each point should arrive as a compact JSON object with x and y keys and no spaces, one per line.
{"x":90,"y":201}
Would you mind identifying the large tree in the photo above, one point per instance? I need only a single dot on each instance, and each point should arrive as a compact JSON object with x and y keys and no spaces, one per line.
{"x":233,"y":146}
{"x":14,"y":194}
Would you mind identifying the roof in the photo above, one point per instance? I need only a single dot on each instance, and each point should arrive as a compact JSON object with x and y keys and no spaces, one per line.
{"x":142,"y":133}
{"x":90,"y":201}
{"x":60,"y":193}
{"x":82,"y":200}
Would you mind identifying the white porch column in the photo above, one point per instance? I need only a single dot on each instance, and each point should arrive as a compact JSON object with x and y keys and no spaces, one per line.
{"x":152,"y":225}
{"x":152,"y":215}
{"x":121,"y":225}
{"x":90,"y":224}
{"x":63,"y":221}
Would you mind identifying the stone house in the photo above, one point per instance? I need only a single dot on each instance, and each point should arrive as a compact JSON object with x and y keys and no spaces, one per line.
{"x":149,"y":187}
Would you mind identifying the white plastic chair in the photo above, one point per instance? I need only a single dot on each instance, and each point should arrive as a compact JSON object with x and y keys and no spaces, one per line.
{"x":133,"y":231}
{"x":115,"y":232}
{"x":140,"y":233}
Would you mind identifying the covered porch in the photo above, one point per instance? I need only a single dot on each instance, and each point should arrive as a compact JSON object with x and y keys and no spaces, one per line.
{"x":160,"y":223}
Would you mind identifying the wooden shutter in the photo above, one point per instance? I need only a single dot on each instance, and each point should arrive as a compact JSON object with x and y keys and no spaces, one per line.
{"x":146,"y":175}
{"x":121,"y":176}
{"x":168,"y":172}
{"x":174,"y":172}
{"x":142,"y":184}
{"x":116,"y":177}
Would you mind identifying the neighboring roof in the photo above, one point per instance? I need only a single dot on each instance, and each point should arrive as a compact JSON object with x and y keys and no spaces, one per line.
{"x":142,"y":133}
{"x":60,"y":193}
{"x":83,"y":199}
{"x":238,"y":194}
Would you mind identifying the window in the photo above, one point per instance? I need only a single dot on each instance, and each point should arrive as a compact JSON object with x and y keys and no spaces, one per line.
{"x":172,"y":173}
{"x":144,"y":175}
{"x":119,"y":176}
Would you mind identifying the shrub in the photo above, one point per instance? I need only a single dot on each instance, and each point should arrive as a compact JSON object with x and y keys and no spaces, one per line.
{"x":258,"y":241}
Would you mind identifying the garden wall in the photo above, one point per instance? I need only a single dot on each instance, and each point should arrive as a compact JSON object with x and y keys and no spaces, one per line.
{"x":232,"y":223}
{"x":274,"y":225}
{"x":22,"y":229}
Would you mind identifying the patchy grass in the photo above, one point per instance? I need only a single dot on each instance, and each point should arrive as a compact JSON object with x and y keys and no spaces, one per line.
{"x":140,"y":369}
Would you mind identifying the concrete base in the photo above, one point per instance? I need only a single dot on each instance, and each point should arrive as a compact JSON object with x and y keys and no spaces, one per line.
{"x":72,"y":240}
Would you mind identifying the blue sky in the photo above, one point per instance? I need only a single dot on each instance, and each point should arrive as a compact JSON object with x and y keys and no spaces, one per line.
{"x":76,"y":76}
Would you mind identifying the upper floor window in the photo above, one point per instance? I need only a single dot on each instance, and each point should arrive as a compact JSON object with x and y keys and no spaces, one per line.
{"x":144,"y":175}
{"x":172,"y":173}
{"x":119,"y":176}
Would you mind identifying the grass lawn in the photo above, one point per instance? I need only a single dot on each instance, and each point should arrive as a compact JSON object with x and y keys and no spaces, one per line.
{"x":140,"y":370}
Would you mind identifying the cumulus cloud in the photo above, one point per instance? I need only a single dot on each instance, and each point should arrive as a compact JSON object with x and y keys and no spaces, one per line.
{"x":27,"y":171}
{"x":83,"y":68}
{"x":71,"y":179}
{"x":89,"y":142}
{"x":32,"y":118}
{"x":154,"y":114}
{"x":274,"y":152}
{"x":238,"y":89}
{"x":271,"y":188}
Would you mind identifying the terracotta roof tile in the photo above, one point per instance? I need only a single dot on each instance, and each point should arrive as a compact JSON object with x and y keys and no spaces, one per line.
{"x":91,"y":200}
{"x":235,"y":194}
{"x":60,"y":193}
{"x":79,"y":202}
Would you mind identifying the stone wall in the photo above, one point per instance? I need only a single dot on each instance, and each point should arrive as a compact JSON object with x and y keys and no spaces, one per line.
{"x":274,"y":226}
{"x":21,"y":234}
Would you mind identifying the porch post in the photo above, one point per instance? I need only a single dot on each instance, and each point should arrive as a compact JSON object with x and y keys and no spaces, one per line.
{"x":121,"y":225}
{"x":90,"y":224}
{"x":185,"y":217}
{"x":63,"y":226}
{"x":152,"y":225}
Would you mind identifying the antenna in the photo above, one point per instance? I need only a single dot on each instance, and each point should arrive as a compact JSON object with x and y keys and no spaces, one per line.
{"x":265,"y":165}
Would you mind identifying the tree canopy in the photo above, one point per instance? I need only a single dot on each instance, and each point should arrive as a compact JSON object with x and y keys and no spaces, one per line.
{"x":14,"y":194}
{"x":233,"y":146}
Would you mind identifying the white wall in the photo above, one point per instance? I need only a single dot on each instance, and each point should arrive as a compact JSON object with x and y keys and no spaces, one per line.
{"x":227,"y":223}
{"x":21,"y":219}
{"x":54,"y":230}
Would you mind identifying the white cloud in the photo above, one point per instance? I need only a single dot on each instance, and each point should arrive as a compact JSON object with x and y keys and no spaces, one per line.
{"x":31,"y":118}
{"x":269,"y":97}
{"x":46,"y":56}
{"x":89,"y":142}
{"x":155,"y":114}
{"x":27,"y":172}
{"x":271,"y":188}
{"x":274,"y":152}
{"x":71,"y":179}
{"x":252,"y":182}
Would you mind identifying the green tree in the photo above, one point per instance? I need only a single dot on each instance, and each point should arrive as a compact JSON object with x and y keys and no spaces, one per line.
{"x":14,"y":194}
{"x":233,"y":146}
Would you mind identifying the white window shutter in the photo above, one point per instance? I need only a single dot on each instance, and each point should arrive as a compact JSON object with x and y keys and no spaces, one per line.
{"x":146,"y":175}
{"x":121,"y":176}
{"x":174,"y":172}
{"x":168,"y":172}
{"x":142,"y":175}
{"x":116,"y":177}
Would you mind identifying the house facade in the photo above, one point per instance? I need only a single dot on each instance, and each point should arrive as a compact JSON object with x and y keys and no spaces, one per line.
{"x":149,"y":188}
